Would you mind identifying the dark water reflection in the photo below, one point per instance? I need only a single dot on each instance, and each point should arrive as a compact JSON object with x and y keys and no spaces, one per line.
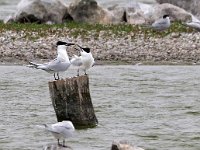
{"x":155,"y":107}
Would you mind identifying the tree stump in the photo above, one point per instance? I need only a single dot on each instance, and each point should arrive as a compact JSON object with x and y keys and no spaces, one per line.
{"x":72,"y":101}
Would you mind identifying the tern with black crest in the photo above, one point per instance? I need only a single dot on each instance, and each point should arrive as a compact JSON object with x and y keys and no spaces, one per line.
{"x":85,"y":61}
{"x":161,"y":24}
{"x":60,"y":64}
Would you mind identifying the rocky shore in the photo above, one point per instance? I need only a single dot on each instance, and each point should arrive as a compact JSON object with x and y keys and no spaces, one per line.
{"x":19,"y":46}
{"x":124,"y":42}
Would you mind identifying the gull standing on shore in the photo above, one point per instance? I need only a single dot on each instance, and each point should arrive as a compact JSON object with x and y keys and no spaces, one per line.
{"x":85,"y":61}
{"x":61,"y":131}
{"x":161,"y":24}
{"x":60,"y":64}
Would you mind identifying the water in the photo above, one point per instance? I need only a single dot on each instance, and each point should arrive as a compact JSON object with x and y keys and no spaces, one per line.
{"x":155,"y":107}
{"x":8,"y":7}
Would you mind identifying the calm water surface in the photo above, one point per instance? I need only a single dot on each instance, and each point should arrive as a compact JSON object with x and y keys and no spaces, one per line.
{"x":155,"y":107}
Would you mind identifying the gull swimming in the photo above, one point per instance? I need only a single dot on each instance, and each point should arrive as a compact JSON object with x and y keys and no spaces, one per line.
{"x":60,"y":64}
{"x":61,"y":131}
{"x":85,"y":61}
{"x":161,"y":24}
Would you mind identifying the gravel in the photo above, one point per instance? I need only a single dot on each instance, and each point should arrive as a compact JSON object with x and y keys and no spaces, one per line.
{"x":176,"y":48}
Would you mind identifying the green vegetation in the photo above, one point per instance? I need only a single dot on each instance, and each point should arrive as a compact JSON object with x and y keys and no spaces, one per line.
{"x":85,"y":29}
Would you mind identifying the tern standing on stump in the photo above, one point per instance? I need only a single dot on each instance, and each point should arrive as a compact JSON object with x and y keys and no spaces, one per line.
{"x":59,"y":64}
{"x":85,"y":61}
{"x":61,"y":131}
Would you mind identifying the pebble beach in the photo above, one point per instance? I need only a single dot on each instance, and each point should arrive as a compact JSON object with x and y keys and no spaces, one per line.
{"x":19,"y":47}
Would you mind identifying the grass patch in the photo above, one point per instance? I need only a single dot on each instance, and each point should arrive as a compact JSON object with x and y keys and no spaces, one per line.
{"x":84,"y":29}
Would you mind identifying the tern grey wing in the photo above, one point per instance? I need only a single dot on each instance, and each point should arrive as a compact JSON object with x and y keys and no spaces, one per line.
{"x":160,"y":23}
{"x":53,"y":64}
{"x":76,"y":61}
{"x":39,"y":66}
{"x":49,"y":67}
{"x":64,"y":130}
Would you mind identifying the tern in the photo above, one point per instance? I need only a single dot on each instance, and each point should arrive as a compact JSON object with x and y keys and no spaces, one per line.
{"x":85,"y":61}
{"x":161,"y":24}
{"x":60,"y":64}
{"x":61,"y":131}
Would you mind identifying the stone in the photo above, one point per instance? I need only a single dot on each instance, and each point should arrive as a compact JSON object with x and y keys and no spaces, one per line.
{"x":192,"y":6}
{"x":41,"y":11}
{"x":86,"y":11}
{"x":135,"y":16}
{"x":124,"y":145}
{"x":174,"y":12}
{"x":89,"y":11}
{"x":138,"y":13}
{"x":118,"y":13}
{"x":130,"y":14}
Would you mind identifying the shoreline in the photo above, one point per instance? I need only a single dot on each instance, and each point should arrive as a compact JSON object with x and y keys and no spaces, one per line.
{"x":112,"y":63}
{"x":110,"y":44}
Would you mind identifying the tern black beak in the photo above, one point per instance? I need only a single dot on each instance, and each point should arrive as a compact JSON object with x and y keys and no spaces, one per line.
{"x":87,"y":50}
{"x":69,"y":44}
{"x":79,"y":46}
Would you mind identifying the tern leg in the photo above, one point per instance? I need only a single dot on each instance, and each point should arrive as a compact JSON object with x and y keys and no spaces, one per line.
{"x":66,"y":145}
{"x":54,"y":76}
{"x":58,"y":76}
{"x":85,"y":72}
{"x":58,"y":142}
{"x":78,"y":72}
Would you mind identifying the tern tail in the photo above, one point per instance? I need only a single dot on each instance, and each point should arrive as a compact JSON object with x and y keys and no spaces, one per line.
{"x":32,"y":65}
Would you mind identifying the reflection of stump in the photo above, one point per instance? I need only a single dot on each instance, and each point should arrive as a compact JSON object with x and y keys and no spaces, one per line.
{"x":71,"y":101}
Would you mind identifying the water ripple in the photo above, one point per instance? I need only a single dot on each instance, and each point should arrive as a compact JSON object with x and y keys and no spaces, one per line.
{"x":155,"y":107}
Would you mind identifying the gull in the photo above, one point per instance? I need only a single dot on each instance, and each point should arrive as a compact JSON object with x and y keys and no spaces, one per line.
{"x":60,"y":64}
{"x":85,"y":61}
{"x":61,"y":130}
{"x":161,"y":24}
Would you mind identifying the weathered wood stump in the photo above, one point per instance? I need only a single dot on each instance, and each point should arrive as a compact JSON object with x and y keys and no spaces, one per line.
{"x":72,"y":101}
